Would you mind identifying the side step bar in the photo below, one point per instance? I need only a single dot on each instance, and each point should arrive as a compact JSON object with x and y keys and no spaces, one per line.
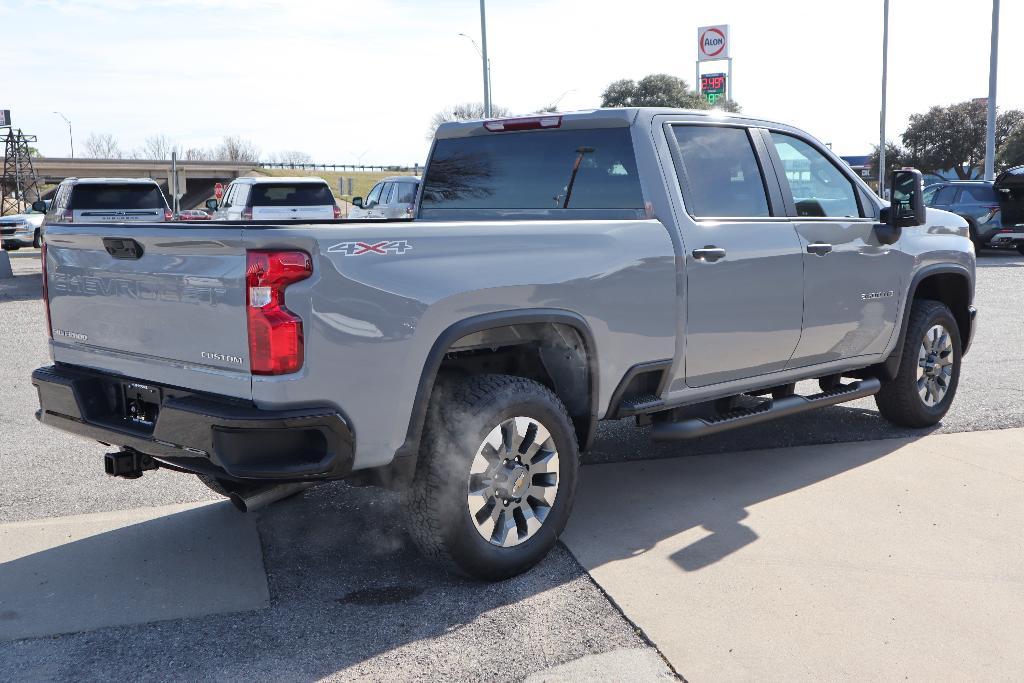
{"x":791,"y":405}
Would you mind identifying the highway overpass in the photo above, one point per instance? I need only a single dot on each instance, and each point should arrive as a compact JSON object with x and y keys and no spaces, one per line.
{"x":195,"y":178}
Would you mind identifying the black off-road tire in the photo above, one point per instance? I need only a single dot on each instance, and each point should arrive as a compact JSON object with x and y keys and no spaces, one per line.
{"x":899,"y":400}
{"x":460,"y":416}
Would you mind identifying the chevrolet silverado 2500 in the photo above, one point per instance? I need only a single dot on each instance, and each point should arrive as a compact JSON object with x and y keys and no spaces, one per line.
{"x":682,"y":268}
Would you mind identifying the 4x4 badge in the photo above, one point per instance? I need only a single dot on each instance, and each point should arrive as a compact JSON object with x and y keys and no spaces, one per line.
{"x":359,"y":248}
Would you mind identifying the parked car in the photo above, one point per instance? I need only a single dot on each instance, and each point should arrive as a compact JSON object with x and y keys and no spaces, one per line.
{"x":648,"y":263}
{"x":22,"y":229}
{"x":193,"y":215}
{"x":275,"y":199}
{"x":393,"y":197}
{"x":104,"y":200}
{"x":993,"y":210}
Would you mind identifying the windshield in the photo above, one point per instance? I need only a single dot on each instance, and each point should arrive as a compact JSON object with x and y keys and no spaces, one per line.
{"x":104,"y":197}
{"x":291,"y":194}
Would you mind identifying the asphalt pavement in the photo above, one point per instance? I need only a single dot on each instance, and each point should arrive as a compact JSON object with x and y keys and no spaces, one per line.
{"x":348,"y":598}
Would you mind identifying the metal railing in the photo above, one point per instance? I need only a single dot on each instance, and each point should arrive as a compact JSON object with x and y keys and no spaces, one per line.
{"x":415,"y":168}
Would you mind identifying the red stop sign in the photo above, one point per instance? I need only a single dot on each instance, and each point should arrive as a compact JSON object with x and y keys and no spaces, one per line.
{"x":218,"y":190}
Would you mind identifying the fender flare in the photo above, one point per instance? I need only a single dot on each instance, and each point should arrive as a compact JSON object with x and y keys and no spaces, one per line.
{"x":891,"y":365}
{"x":432,"y":365}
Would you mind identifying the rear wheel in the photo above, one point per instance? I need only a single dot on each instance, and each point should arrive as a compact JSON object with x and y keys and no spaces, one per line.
{"x":496,"y":476}
{"x":924,"y":387}
{"x":37,"y":240}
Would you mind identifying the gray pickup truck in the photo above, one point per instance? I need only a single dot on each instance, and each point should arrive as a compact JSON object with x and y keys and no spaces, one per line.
{"x":682,"y":268}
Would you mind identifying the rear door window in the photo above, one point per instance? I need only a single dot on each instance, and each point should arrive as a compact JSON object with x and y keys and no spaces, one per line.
{"x":534,"y":170}
{"x":405,"y":193}
{"x":385,"y":193}
{"x":722,"y":173}
{"x":291,"y":194}
{"x":103,"y":197}
{"x":978,"y":194}
{"x":818,"y":187}
{"x":944,"y":196}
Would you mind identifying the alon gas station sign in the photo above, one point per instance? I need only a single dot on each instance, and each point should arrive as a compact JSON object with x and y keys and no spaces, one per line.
{"x":713,"y":45}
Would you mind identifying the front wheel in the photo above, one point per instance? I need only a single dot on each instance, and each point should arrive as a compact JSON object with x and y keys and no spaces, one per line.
{"x":496,"y":476}
{"x":924,"y":387}
{"x":37,"y":240}
{"x":1020,"y":248}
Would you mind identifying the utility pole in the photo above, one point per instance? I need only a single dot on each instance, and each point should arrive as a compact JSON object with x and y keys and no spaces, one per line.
{"x":990,"y":131}
{"x":71,"y":138}
{"x":487,"y":71}
{"x":885,"y":79}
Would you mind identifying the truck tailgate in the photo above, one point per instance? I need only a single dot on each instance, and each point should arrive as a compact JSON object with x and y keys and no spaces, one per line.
{"x":173,"y":314}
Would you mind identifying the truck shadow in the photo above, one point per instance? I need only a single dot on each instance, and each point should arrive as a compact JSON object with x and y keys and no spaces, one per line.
{"x":346,"y":586}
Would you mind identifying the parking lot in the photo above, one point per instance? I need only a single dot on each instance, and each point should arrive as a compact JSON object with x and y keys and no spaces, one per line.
{"x":325,"y":585}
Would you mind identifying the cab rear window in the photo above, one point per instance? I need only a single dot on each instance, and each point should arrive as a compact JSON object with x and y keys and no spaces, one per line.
{"x":100,"y":197}
{"x":535,"y":170}
{"x":295,"y":194}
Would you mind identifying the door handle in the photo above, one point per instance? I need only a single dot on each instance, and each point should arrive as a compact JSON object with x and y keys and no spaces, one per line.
{"x":819,"y":248}
{"x":709,"y":253}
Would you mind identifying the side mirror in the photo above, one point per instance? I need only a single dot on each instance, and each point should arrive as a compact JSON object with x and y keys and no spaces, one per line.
{"x":39,"y":206}
{"x":357,"y":202}
{"x":906,"y":209}
{"x":211,"y":204}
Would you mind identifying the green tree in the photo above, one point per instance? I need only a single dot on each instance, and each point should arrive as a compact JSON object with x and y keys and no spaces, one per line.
{"x":895,"y":157}
{"x":658,"y":90}
{"x":953,"y":137}
{"x":1011,"y":152}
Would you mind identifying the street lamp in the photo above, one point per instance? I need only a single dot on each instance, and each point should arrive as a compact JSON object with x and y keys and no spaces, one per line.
{"x":990,"y":133}
{"x":885,"y":78}
{"x":70,"y":137}
{"x":487,"y":75}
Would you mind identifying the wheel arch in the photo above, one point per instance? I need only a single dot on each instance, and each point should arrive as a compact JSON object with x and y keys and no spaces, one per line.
{"x":947,"y":283}
{"x":583,"y":410}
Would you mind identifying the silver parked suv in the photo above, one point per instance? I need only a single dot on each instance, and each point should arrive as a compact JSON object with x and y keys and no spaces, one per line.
{"x":393,"y":197}
{"x":272,"y":199}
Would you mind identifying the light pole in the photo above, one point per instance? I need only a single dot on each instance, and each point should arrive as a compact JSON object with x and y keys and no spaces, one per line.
{"x":487,"y":74}
{"x":487,"y":63}
{"x":70,"y":137}
{"x":885,"y":78}
{"x":990,"y":132}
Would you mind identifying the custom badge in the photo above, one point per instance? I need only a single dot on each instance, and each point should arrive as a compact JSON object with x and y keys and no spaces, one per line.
{"x":398,"y":247}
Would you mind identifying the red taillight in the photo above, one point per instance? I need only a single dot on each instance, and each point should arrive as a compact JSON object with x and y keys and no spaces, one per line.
{"x":528,"y":123}
{"x":168,"y":216}
{"x":275,"y":333}
{"x":337,"y":211}
{"x":247,"y":214}
{"x":46,"y":292}
{"x":69,"y":216}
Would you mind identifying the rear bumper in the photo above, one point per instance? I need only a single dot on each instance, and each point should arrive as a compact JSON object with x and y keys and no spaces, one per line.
{"x":199,"y":433}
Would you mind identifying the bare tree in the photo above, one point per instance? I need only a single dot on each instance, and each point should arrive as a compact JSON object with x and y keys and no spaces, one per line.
{"x":158,"y":147}
{"x":463,"y":112}
{"x":102,"y":146}
{"x":234,"y":148}
{"x":291,"y":156}
{"x":197,"y":154}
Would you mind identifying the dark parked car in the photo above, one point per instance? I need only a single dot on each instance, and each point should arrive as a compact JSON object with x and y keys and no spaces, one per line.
{"x":994,"y":210}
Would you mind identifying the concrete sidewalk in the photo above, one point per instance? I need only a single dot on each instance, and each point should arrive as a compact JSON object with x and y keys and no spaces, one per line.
{"x":886,"y":559}
{"x":129,"y":567}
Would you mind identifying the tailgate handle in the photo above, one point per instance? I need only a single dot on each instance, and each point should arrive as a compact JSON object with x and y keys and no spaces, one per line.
{"x":121,"y":248}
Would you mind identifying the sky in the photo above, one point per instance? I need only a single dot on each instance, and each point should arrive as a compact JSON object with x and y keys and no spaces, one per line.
{"x":358,"y":82}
